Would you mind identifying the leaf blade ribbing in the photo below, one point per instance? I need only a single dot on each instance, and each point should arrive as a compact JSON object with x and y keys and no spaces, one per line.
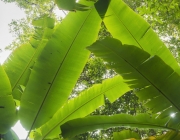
{"x":20,"y":62}
{"x":143,"y":72}
{"x":83,"y":105}
{"x":118,"y":21}
{"x":58,"y":68}
{"x":91,"y":123}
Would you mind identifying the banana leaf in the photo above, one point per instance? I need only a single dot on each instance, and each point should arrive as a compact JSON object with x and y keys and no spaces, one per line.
{"x":58,"y":67}
{"x":153,"y":80}
{"x":20,"y":62}
{"x":82,"y":106}
{"x":16,"y":66}
{"x":91,"y":123}
{"x":8,"y":115}
{"x":127,"y":26}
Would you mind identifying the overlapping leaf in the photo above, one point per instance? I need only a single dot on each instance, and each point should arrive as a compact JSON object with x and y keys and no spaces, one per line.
{"x":91,"y":123}
{"x":127,"y":26}
{"x":82,"y":105}
{"x":82,"y":125}
{"x":7,"y":105}
{"x":16,"y":67}
{"x":57,"y":69}
{"x":145,"y":74}
{"x":19,"y":64}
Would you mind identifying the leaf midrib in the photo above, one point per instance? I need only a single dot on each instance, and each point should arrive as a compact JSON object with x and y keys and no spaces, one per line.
{"x":128,"y":29}
{"x":27,"y":66}
{"x":57,"y":74}
{"x":103,"y":92}
{"x":145,"y":78}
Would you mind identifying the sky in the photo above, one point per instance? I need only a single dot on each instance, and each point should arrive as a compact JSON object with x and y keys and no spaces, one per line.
{"x":7,"y":13}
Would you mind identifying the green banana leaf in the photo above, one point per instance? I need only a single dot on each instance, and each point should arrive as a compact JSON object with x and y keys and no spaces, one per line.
{"x":57,"y":69}
{"x":82,"y":106}
{"x":82,"y":125}
{"x":20,"y":62}
{"x":153,"y":80}
{"x":126,"y":135}
{"x":71,"y":5}
{"x":91,"y":123}
{"x":16,"y":66}
{"x":8,"y":115}
{"x":127,"y":26}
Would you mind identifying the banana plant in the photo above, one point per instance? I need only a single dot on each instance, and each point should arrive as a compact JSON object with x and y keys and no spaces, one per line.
{"x":44,"y":72}
{"x":55,"y":70}
{"x":45,"y":62}
{"x":140,"y":71}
